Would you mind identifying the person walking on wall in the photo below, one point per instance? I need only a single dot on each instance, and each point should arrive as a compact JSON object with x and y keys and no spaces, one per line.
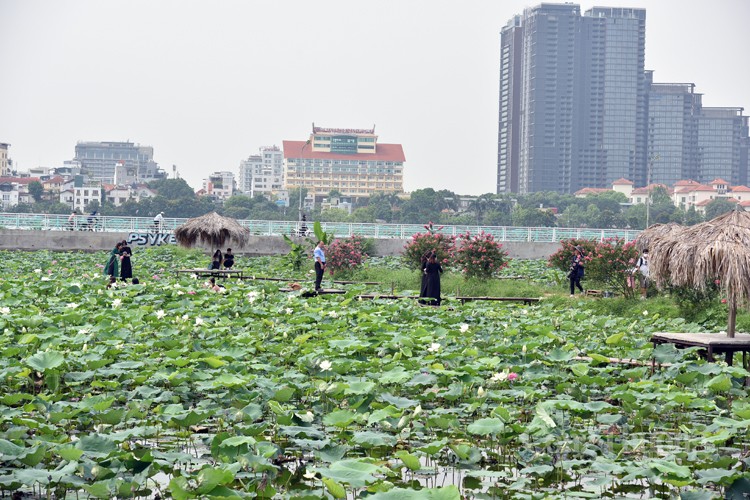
{"x":319,"y":256}
{"x":642,"y":267}
{"x":158,"y":221}
{"x":575,"y":274}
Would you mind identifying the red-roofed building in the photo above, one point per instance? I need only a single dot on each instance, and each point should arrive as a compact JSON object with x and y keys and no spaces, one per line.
{"x":348,"y":160}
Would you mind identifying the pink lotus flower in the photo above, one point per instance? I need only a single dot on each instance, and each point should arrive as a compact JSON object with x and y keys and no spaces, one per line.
{"x":512,"y":376}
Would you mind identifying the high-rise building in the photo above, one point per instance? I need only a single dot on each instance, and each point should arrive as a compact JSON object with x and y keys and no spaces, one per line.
{"x":348,"y":160}
{"x":221,"y":185}
{"x":689,"y":141}
{"x":672,"y":133}
{"x":4,"y":160}
{"x":572,"y":98}
{"x":99,"y":160}
{"x":578,"y":109}
{"x":262,"y":173}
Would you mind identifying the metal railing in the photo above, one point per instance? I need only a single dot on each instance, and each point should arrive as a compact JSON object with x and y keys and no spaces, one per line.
{"x":52,"y":222}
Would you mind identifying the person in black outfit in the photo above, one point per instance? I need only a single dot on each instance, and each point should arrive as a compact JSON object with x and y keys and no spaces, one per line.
{"x":126,"y":268}
{"x":432,"y":272}
{"x":228,"y":259}
{"x":423,"y":272}
{"x":216,"y":260}
{"x":575,"y":274}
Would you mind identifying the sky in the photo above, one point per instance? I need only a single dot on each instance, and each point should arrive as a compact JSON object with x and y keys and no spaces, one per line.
{"x":207,"y":83}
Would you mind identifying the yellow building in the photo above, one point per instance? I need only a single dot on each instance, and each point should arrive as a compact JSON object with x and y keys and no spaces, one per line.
{"x":348,"y":160}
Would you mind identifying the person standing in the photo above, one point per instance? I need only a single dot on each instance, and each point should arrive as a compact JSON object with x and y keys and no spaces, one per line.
{"x":576,"y":270}
{"x":158,"y":221}
{"x":72,"y":221}
{"x":228,"y":259}
{"x":423,"y":272}
{"x":432,"y":271}
{"x":319,"y":256}
{"x":126,"y":268}
{"x":642,"y":268}
{"x":112,"y":263}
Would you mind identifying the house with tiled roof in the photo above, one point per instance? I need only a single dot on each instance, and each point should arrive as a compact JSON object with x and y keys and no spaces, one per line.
{"x":623,"y":186}
{"x":582,"y":193}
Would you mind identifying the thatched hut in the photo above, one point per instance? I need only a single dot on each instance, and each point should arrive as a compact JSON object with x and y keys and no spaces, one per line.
{"x":656,"y":232}
{"x":212,"y":229}
{"x":714,"y":251}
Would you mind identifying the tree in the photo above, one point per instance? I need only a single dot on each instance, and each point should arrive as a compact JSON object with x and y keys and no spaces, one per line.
{"x":36,"y":190}
{"x":533,"y":217}
{"x":173,"y":189}
{"x":718,"y":206}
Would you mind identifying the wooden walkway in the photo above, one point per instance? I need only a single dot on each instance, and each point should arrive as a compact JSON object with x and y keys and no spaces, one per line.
{"x":711,"y":343}
{"x":387,"y":296}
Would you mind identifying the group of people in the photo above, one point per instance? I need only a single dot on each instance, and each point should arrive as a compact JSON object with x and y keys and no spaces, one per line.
{"x":119,"y":264}
{"x":577,"y":270}
{"x":89,"y":224}
{"x":218,"y":260}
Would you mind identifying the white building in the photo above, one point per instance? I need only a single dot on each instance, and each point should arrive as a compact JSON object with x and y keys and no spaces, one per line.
{"x":220,"y":185}
{"x":262,"y":173}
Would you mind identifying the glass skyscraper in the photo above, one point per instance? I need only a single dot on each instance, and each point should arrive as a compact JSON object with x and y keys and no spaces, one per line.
{"x":572,"y":98}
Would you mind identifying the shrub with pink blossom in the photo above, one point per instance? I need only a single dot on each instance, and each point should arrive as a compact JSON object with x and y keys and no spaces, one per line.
{"x":480,"y":256}
{"x":345,"y":255}
{"x":433,"y":240}
{"x":608,"y":263}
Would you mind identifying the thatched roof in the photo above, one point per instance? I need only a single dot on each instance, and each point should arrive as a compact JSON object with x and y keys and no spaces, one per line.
{"x":655,"y":232}
{"x":715,"y":250}
{"x":212,"y":229}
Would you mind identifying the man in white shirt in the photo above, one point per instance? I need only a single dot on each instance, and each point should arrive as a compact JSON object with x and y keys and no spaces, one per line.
{"x":320,"y":265}
{"x":158,"y":221}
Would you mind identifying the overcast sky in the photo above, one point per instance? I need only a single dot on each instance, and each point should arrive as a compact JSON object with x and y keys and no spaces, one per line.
{"x":206,"y":83}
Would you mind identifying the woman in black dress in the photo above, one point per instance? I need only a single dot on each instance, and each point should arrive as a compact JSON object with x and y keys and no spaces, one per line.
{"x":126,"y":268}
{"x":433,"y":270}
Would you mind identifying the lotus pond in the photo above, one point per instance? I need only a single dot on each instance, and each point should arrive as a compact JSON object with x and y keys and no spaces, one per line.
{"x":169,"y":389}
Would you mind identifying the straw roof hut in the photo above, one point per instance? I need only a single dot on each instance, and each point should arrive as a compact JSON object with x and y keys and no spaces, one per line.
{"x":212,"y":229}
{"x":655,"y":232}
{"x":715,"y":250}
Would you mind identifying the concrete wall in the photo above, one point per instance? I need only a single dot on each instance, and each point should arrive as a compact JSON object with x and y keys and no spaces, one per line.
{"x":18,"y":239}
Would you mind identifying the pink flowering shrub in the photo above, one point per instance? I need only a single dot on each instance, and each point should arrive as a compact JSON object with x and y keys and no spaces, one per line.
{"x":345,"y":255}
{"x":480,"y":256}
{"x":433,"y":240}
{"x":608,"y":263}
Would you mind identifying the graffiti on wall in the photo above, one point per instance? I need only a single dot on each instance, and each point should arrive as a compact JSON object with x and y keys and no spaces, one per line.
{"x":151,"y":239}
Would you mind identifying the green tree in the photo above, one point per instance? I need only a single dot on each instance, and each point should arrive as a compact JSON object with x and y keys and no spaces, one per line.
{"x":173,"y":189}
{"x":36,"y":190}
{"x":718,"y":206}
{"x":533,"y":217}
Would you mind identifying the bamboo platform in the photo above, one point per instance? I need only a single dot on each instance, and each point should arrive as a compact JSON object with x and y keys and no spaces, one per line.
{"x":710,"y":343}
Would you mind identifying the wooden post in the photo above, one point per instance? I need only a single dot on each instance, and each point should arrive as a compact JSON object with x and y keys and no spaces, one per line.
{"x":732,"y":317}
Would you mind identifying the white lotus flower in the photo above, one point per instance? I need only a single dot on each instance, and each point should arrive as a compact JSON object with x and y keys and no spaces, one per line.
{"x":160,"y":314}
{"x":645,"y":313}
{"x":309,"y":475}
{"x":417,"y":410}
{"x":37,"y":271}
{"x":325,"y":365}
{"x":499,"y":377}
{"x":305,"y":417}
{"x":116,"y":303}
{"x":72,"y":305}
{"x":177,"y":285}
{"x":434,"y":347}
{"x":5,"y":310}
{"x":251,"y":296}
{"x":44,"y":278}
{"x":83,"y":331}
{"x":198,"y":321}
{"x":402,"y":422}
{"x":194,"y":276}
{"x":289,"y":310}
{"x":523,"y":349}
{"x":333,"y":314}
{"x":85,"y":347}
{"x":185,"y":317}
{"x":464,"y":328}
{"x":180,"y":292}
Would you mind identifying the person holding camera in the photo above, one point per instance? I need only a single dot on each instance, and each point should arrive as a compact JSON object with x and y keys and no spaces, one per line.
{"x":575,"y":273}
